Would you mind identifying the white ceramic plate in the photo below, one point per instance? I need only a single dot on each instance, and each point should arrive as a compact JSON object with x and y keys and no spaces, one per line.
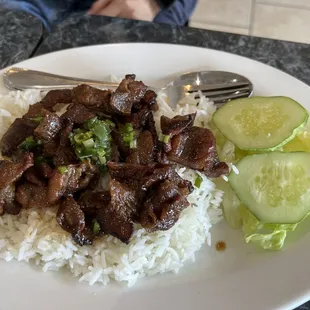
{"x":241,"y":277}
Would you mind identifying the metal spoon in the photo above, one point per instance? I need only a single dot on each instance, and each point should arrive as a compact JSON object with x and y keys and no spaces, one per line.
{"x":219,"y":86}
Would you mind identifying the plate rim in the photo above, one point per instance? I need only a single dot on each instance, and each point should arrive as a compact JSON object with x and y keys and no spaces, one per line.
{"x":304,"y":295}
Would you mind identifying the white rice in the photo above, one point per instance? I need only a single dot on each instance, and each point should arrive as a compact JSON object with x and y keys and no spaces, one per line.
{"x":35,"y":236}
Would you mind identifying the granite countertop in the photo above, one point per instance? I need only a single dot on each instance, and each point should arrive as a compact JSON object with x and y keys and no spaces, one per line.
{"x":20,"y":36}
{"x":80,"y":30}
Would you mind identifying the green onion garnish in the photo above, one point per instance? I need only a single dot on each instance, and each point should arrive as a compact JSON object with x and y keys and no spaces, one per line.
{"x":164,"y":138}
{"x":96,"y":226}
{"x":133,"y":144}
{"x":129,"y":135}
{"x":62,"y":169}
{"x":93,"y":141}
{"x":102,"y":160}
{"x":198,"y":181}
{"x":29,"y":143}
{"x":38,"y":118}
{"x":89,"y":143}
{"x":80,"y":137}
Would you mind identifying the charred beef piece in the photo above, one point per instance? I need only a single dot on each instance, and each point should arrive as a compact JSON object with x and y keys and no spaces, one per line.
{"x":111,"y":223}
{"x":49,"y":127}
{"x":7,"y":201}
{"x":142,"y":120}
{"x":149,"y":99}
{"x":44,"y":170}
{"x":175,"y":126}
{"x":78,"y":113}
{"x":31,"y":196}
{"x":38,"y":174}
{"x":129,"y":173}
{"x":165,"y":203}
{"x":32,"y":175}
{"x":118,"y":140}
{"x":130,"y":185}
{"x":35,"y":111}
{"x":65,"y":155}
{"x":159,"y":174}
{"x":166,"y":193}
{"x":143,"y":154}
{"x":93,"y":98}
{"x":15,"y":135}
{"x":84,"y":237}
{"x":127,"y":94}
{"x":11,"y":171}
{"x":70,"y":216}
{"x":138,"y":119}
{"x":118,"y":216}
{"x":195,"y":148}
{"x":115,"y":153}
{"x":143,"y":128}
{"x":76,"y":178}
{"x":150,"y":126}
{"x":92,"y":202}
{"x":125,"y":199}
{"x":52,"y":98}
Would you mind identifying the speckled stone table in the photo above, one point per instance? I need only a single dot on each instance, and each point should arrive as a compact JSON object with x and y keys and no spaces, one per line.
{"x":20,"y":34}
{"x":81,"y":30}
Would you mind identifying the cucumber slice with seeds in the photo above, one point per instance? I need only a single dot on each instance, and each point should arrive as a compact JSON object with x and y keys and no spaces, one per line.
{"x":260,"y":123}
{"x":275,"y":186}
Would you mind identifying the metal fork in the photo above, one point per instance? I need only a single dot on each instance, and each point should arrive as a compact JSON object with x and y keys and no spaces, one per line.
{"x":218,"y":86}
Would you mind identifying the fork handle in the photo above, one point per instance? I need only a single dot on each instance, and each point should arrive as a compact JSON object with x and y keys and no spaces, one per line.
{"x":19,"y":78}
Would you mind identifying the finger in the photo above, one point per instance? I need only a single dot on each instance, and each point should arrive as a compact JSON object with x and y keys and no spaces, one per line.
{"x":113,"y":9}
{"x":98,"y":6}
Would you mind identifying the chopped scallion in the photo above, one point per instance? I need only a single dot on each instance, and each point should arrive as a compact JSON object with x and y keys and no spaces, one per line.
{"x":164,"y":138}
{"x":89,"y":143}
{"x":96,"y":226}
{"x":93,"y":140}
{"x":62,"y":169}
{"x":133,"y":144}
{"x":38,"y":118}
{"x":28,"y":144}
{"x":102,"y":160}
{"x":198,"y":181}
{"x":129,"y":135}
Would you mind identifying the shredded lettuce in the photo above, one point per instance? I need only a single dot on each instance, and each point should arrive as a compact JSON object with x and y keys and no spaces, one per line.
{"x":267,"y":236}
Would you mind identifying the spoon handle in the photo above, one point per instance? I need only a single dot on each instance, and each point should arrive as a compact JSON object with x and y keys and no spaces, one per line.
{"x":19,"y":78}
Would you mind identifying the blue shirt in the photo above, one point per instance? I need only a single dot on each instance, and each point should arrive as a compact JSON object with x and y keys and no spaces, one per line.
{"x":52,"y":12}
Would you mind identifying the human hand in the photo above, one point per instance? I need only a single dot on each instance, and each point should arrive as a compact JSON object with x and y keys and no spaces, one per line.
{"x":134,"y":9}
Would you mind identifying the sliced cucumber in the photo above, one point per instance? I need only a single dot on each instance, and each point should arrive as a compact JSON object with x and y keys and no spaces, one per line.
{"x":260,"y":123}
{"x":275,"y":186}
